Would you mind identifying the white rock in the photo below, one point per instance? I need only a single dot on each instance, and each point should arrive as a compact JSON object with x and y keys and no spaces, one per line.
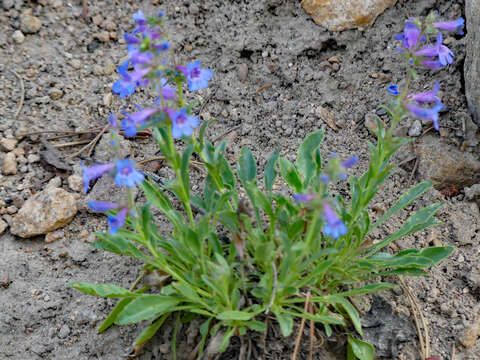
{"x":18,"y":37}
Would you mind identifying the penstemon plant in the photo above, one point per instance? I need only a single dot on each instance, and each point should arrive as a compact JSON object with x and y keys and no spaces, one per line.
{"x":232,"y":258}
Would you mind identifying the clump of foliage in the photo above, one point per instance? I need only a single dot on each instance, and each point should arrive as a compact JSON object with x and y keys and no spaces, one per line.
{"x":232,"y":258}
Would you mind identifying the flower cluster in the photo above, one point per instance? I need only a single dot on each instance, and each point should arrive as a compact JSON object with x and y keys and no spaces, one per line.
{"x":147,"y":46}
{"x":418,"y":51}
{"x":147,"y":66}
{"x":335,"y":169}
{"x":125,"y":175}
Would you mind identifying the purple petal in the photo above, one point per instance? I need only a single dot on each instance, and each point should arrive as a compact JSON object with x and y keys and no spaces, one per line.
{"x":303,"y":198}
{"x":116,"y":222}
{"x":102,"y":206}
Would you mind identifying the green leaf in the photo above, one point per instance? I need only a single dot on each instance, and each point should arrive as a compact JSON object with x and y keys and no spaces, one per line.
{"x":285,"y":321}
{"x":246,"y":166}
{"x":418,"y":221}
{"x":270,"y":172}
{"x":404,"y":200}
{"x":201,"y":134}
{"x":102,"y":290}
{"x":226,"y":173}
{"x":436,"y":253}
{"x":306,"y":157}
{"x":235,"y":315}
{"x":290,"y":174}
{"x":256,"y":325}
{"x":118,"y":245}
{"x":361,"y":349}
{"x":226,"y":340}
{"x":149,"y":331}
{"x":367,"y":289}
{"x":146,"y":307}
{"x":349,"y":309}
{"x":116,"y":310}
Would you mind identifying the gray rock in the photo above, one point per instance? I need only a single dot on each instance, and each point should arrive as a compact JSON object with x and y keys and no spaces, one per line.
{"x":30,"y":24}
{"x":472,"y":59}
{"x":445,"y":164}
{"x":8,"y":144}
{"x":7,"y":4}
{"x":9,"y":166}
{"x":242,"y":72}
{"x":18,"y":37}
{"x":75,"y":183}
{"x":416,"y":129}
{"x":473,"y":192}
{"x":64,"y":332}
{"x":46,"y":211}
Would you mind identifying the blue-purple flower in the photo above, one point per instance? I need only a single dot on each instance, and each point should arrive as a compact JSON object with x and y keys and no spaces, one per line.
{"x":426,"y":113}
{"x":139,"y":18}
{"x":130,"y":123}
{"x":427,"y":97}
{"x":350,"y":162}
{"x":455,"y":25}
{"x":410,"y":35}
{"x":303,"y":198}
{"x":124,"y":86}
{"x":182,"y":123}
{"x":393,"y":90}
{"x":335,"y":226}
{"x":197,"y":78}
{"x":112,"y":120}
{"x":102,"y":206}
{"x":445,"y":55}
{"x":117,"y":221}
{"x":94,"y":172}
{"x":126,"y":174}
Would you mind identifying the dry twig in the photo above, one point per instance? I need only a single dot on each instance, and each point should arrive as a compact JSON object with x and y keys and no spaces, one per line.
{"x":72,"y":143}
{"x":300,"y":330}
{"x":226,"y":133}
{"x":22,"y":98}
{"x":424,"y":345}
{"x":91,"y":144}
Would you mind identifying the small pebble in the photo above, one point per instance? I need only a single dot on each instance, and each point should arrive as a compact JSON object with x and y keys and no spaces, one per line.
{"x":54,"y":236}
{"x":3,"y":226}
{"x":33,"y":158}
{"x":8,"y":144}
{"x":107,"y":99}
{"x":103,"y":36}
{"x":371,"y":122}
{"x":64,"y":332}
{"x":97,"y":20}
{"x":9,"y":166}
{"x":242,"y":72}
{"x":416,"y":129}
{"x":18,"y":37}
{"x":55,"y":94}
{"x":30,"y":24}
{"x":75,"y":183}
{"x":76,"y":64}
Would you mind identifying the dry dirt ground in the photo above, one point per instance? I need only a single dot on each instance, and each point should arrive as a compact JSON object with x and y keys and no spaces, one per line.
{"x":273,"y":85}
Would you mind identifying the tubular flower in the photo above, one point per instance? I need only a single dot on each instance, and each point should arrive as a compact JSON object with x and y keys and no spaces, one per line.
{"x":94,"y":172}
{"x":425,"y":113}
{"x":335,"y":226}
{"x":455,"y":25}
{"x":303,"y":198}
{"x":410,"y":35}
{"x":101,"y":206}
{"x":350,"y":162}
{"x":427,"y":97}
{"x":126,"y":174}
{"x":130,"y":123}
{"x":197,"y":78}
{"x":182,"y":123}
{"x":445,"y":55}
{"x":393,"y":90}
{"x":117,"y":221}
